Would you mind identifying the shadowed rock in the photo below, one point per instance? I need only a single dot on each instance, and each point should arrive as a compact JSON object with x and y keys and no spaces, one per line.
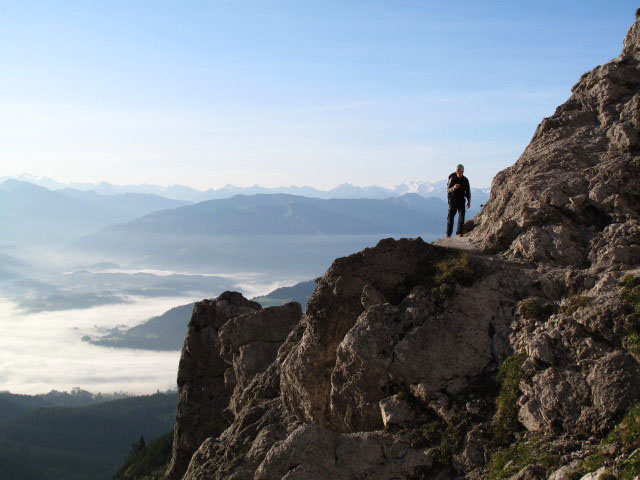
{"x":202,"y":392}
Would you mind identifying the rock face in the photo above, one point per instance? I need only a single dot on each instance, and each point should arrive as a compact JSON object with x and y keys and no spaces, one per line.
{"x":572,"y":197}
{"x":203,"y":394}
{"x":350,"y":356}
{"x":415,"y":361}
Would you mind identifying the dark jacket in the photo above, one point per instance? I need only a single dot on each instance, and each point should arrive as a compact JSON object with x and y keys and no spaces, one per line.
{"x":464,"y":190}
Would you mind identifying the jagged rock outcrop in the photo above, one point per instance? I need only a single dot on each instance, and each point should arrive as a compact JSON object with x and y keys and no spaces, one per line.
{"x":414,"y":361}
{"x":572,"y":197}
{"x":201,"y":377}
{"x":350,"y":356}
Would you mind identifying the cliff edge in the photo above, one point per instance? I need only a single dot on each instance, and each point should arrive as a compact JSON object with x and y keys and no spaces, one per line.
{"x":414,"y":361}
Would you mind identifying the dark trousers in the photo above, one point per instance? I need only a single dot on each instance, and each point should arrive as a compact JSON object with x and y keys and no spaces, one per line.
{"x":453,"y":208}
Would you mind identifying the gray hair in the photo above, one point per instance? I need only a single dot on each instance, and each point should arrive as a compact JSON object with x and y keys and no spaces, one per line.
{"x":459,"y":168}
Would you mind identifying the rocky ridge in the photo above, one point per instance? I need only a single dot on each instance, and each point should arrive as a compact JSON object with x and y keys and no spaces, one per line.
{"x":417,"y":361}
{"x":572,"y":197}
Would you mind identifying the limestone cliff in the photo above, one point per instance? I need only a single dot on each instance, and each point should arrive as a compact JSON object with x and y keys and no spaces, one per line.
{"x":572,"y":197}
{"x":415,"y":361}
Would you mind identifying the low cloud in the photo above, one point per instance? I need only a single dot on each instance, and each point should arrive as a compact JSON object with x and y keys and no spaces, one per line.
{"x":43,"y":351}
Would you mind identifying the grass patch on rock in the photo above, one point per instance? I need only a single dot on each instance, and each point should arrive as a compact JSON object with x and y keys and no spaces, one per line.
{"x":506,"y":462}
{"x":629,"y":283}
{"x":627,"y":432}
{"x":626,"y":438}
{"x":506,"y":422}
{"x":456,"y":268}
{"x":443,"y":439}
{"x":512,"y":449}
{"x":575,"y":303}
{"x":631,"y":291}
{"x":452,"y":270}
{"x":632,"y":334}
{"x":533,"y":309}
{"x":630,"y":294}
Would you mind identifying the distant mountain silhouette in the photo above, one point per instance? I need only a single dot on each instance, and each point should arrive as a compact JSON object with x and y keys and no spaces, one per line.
{"x":286,"y":234}
{"x":346,"y":190}
{"x":282,"y":214}
{"x":182,"y":192}
{"x":33,"y":214}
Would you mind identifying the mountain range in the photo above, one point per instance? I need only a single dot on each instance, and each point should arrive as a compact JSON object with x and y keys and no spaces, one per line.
{"x":33,"y":214}
{"x":282,"y":214}
{"x":260,"y":233}
{"x":185,"y":193}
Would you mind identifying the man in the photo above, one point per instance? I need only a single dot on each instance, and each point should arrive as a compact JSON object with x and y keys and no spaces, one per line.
{"x":457,"y":188}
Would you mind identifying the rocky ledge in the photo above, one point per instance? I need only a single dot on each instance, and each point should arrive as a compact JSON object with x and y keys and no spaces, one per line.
{"x":517,"y":359}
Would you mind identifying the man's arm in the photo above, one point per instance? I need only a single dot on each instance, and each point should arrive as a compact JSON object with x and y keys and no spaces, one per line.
{"x":468,"y":193}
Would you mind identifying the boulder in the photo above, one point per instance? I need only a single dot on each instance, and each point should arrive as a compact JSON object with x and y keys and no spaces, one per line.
{"x":395,"y":411}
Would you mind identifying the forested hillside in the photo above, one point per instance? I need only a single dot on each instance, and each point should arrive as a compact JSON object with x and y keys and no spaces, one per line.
{"x":81,"y":443}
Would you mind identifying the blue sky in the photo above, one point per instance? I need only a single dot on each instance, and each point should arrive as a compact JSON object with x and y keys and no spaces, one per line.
{"x":287,"y":92}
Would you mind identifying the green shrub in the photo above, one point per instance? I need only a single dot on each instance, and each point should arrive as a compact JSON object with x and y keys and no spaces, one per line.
{"x":592,"y":463}
{"x":429,"y":434}
{"x":632,"y":333}
{"x":629,"y":282}
{"x":607,"y":476}
{"x":443,"y":295}
{"x":444,"y":438}
{"x":630,"y":468}
{"x":627,"y":432}
{"x":531,"y":308}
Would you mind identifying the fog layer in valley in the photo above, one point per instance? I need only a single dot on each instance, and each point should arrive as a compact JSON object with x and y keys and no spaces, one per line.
{"x":41,"y":351}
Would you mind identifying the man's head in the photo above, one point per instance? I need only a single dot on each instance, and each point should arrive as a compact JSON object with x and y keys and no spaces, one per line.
{"x":459,"y":170}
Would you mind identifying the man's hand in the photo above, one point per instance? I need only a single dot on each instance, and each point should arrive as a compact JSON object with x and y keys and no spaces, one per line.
{"x":468,"y":204}
{"x":456,"y":186}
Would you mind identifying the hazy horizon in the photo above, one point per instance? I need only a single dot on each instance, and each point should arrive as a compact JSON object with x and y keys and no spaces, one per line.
{"x":32,"y":178}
